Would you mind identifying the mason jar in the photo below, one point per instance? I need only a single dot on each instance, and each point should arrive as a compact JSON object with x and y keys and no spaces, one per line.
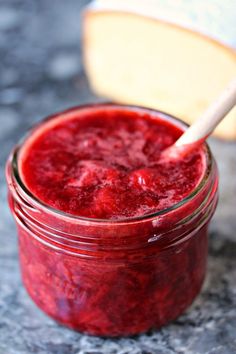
{"x":113,"y":277}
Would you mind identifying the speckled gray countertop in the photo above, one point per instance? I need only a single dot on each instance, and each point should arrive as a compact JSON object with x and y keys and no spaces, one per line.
{"x":40,"y":73}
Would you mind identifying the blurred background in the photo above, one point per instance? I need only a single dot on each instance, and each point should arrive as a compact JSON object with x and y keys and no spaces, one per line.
{"x":41,"y":72}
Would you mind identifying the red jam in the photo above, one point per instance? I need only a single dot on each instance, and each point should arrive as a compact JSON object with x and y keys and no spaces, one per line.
{"x":105,"y":164}
{"x":112,"y":240}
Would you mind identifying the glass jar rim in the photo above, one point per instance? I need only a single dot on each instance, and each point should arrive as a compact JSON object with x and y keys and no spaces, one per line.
{"x":13,"y":161}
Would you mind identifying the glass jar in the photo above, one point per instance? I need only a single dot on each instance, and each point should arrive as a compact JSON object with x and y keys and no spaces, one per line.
{"x":113,"y":278}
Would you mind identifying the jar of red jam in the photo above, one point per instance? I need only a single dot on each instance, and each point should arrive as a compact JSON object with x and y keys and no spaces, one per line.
{"x":111,"y":243}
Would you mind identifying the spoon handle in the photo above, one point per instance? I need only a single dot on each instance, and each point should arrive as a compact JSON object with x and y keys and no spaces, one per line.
{"x":206,"y":123}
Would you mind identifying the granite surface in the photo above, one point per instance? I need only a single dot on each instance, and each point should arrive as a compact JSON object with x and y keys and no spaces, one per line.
{"x":40,"y":73}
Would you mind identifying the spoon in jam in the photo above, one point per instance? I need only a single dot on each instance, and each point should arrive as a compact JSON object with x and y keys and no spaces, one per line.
{"x":199,"y":131}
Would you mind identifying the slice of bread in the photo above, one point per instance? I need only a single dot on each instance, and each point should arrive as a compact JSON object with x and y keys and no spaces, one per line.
{"x":136,"y":59}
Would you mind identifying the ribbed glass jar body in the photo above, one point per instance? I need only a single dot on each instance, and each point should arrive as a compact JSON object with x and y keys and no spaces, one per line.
{"x":113,"y":278}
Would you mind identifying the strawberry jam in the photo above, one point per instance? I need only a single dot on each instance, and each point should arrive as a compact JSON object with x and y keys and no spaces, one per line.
{"x":105,"y":164}
{"x":113,"y":241}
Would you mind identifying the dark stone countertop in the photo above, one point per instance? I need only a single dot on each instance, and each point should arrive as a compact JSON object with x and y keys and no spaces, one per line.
{"x":40,"y":73}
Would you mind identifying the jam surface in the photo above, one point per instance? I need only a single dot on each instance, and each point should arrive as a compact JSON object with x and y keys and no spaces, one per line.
{"x":104,"y":163}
